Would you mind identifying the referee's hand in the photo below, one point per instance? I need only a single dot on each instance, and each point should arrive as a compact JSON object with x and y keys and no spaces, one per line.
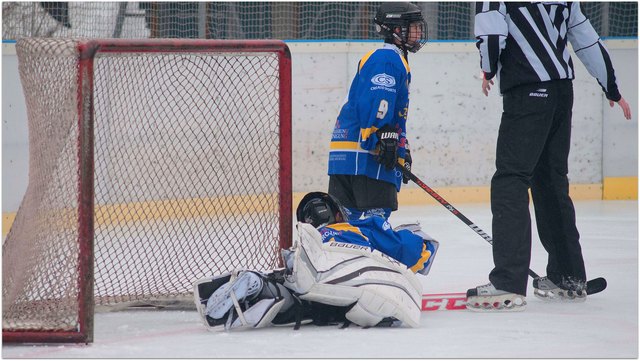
{"x":486,"y":84}
{"x":626,"y":109}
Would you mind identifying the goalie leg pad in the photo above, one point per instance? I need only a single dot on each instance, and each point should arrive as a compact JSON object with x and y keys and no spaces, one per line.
{"x":342,"y":274}
{"x":371,"y":309}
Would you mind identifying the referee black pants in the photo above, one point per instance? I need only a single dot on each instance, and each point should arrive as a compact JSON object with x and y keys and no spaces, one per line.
{"x":532,"y":152}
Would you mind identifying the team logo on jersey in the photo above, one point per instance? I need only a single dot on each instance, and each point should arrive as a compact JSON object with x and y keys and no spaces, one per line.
{"x":386,"y":226}
{"x":328,"y":233}
{"x":384,"y":80}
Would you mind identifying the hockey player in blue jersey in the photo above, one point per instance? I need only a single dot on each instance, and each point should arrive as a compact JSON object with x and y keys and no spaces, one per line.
{"x":406,"y":244}
{"x":360,"y":272}
{"x":370,"y":133}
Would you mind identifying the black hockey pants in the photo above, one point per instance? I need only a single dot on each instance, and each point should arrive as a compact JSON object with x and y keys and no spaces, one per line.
{"x":532,"y":152}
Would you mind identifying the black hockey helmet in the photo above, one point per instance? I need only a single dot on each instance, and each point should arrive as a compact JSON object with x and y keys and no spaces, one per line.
{"x":320,"y":209}
{"x":401,"y":15}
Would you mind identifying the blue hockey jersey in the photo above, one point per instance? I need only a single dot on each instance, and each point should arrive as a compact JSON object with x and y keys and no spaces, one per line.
{"x":376,"y":233}
{"x":379,"y":96}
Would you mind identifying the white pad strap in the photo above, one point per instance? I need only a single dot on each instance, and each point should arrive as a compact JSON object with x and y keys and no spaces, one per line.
{"x":236,"y":304}
{"x":259,"y":315}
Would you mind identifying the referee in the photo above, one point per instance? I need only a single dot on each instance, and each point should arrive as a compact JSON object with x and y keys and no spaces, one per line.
{"x":525,"y":45}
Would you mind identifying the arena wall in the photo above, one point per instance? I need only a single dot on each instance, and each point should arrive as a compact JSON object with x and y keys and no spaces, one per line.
{"x":452,"y":126}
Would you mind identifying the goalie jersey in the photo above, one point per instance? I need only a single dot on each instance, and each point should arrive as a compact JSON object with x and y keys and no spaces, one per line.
{"x":376,"y":233}
{"x":379,"y":96}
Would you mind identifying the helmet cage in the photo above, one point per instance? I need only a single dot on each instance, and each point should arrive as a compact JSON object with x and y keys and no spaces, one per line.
{"x":402,"y":20}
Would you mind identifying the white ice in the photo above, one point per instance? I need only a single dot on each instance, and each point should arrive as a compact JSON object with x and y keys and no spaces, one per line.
{"x":605,"y":326}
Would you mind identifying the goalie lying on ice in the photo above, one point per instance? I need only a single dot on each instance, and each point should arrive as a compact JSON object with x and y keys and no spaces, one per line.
{"x":335,"y":272}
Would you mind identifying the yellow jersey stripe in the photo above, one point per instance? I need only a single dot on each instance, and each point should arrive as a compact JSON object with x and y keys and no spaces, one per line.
{"x":364,"y":59}
{"x":344,"y":145}
{"x":368,"y":55}
{"x":423,"y":258}
{"x":366,"y":132}
{"x":406,"y":65}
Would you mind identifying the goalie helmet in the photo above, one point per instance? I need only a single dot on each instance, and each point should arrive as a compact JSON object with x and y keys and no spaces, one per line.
{"x":402,"y":22}
{"x":320,"y":209}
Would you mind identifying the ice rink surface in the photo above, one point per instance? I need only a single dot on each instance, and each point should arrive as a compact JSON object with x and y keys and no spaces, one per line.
{"x":605,"y":326}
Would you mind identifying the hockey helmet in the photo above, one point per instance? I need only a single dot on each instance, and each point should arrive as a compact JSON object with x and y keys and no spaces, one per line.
{"x":320,"y":209}
{"x":394,"y":21}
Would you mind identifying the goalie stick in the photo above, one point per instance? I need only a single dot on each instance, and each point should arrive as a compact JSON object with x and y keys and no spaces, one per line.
{"x":593,"y":286}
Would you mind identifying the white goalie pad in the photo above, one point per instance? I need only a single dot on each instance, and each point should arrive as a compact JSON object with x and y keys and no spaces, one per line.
{"x":342,"y":274}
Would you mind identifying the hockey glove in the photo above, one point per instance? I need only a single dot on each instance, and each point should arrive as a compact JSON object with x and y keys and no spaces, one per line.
{"x":387,"y":147}
{"x":407,"y":163}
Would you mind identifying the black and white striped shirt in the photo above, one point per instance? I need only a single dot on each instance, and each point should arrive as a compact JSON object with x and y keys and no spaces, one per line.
{"x":526,"y":42}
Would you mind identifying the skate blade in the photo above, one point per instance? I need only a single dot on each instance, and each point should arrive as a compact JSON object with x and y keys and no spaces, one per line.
{"x":559,"y":295}
{"x":503,"y":303}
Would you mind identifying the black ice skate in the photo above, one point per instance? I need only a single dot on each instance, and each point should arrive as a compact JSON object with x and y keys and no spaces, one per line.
{"x":487,"y":298}
{"x":569,"y":290}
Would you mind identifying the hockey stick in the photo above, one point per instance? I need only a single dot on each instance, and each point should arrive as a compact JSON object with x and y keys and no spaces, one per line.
{"x":593,"y":286}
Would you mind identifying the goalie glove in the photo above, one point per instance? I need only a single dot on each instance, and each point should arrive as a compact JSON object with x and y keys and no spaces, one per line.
{"x":430,"y":244}
{"x":407,"y":163}
{"x":387,"y":147}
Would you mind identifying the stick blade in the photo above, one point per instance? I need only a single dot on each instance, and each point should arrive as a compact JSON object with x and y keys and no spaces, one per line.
{"x":596,"y":285}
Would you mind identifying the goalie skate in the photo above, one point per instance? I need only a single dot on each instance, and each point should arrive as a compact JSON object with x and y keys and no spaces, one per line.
{"x":241,"y":286}
{"x":240,"y":300}
{"x":487,"y":298}
{"x":567,"y":291}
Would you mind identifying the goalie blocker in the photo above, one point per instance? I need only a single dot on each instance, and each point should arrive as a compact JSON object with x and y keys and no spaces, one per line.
{"x":323,"y":283}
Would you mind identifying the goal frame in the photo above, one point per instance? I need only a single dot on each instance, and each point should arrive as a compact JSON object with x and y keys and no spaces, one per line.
{"x":88,"y":49}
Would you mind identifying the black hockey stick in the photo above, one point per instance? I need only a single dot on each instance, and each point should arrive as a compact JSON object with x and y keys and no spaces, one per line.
{"x":593,"y":286}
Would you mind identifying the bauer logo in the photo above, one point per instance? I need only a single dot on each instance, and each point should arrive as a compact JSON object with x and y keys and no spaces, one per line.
{"x":384,"y":80}
{"x":540,"y":93}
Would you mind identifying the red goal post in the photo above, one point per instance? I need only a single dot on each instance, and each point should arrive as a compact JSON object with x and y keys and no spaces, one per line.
{"x":152,"y":163}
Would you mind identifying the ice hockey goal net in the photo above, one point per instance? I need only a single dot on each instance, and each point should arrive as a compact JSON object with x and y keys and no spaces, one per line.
{"x":152,"y":163}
